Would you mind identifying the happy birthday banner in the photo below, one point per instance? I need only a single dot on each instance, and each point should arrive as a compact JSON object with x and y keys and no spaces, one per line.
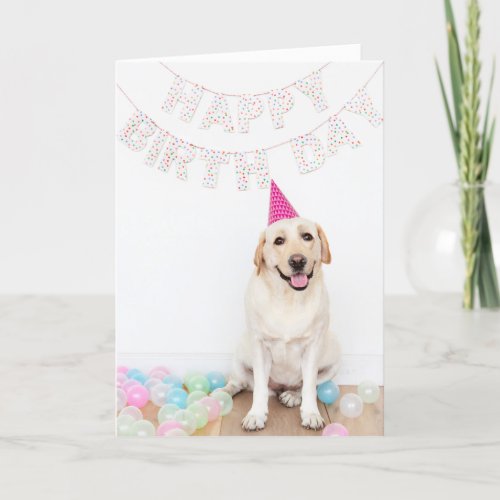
{"x":250,"y":106}
{"x":309,"y":152}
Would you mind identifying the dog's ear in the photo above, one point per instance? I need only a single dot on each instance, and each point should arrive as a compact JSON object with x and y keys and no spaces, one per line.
{"x":258,"y":259}
{"x":326,"y":256}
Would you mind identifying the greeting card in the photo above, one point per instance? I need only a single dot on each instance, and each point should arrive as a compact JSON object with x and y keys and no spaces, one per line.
{"x":249,"y":245}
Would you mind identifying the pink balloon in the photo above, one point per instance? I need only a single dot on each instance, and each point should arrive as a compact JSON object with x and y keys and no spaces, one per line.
{"x":121,"y":378}
{"x":122,"y":369}
{"x":167,"y":426}
{"x":335,"y":430}
{"x":158,"y":374}
{"x":162,"y":369}
{"x":129,"y":384}
{"x":137,"y":395}
{"x":212,"y":405}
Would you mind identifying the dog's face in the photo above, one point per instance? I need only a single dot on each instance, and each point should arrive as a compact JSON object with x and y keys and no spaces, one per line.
{"x":293,"y":249}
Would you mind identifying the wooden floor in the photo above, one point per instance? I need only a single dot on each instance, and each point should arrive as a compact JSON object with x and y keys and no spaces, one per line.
{"x":283,"y":421}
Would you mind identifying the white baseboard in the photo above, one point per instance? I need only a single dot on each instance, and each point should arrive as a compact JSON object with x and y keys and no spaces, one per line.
{"x":354,"y":367}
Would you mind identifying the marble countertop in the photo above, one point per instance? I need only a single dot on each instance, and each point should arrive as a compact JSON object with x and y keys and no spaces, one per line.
{"x":442,"y":383}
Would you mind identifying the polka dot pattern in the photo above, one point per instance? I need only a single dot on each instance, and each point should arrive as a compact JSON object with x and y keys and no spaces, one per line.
{"x":249,"y":108}
{"x":312,"y":87}
{"x":177,"y":151}
{"x":155,"y":149}
{"x":280,"y":101}
{"x":244,"y":169}
{"x":214,"y":159}
{"x":190,"y":98}
{"x":218,"y":114}
{"x":137,"y":130}
{"x":309,"y":153}
{"x":339,"y":135}
{"x":308,"y":150}
{"x":180,"y":153}
{"x":362,"y":104}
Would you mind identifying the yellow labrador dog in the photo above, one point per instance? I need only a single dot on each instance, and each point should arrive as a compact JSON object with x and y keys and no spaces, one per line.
{"x":288,"y":347}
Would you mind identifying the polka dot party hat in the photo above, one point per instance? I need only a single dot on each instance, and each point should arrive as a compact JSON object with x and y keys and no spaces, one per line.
{"x":279,"y":206}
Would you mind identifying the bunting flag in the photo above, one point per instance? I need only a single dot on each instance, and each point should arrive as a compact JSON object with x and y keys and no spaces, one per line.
{"x":362,"y":104}
{"x":218,"y":114}
{"x":312,"y":87}
{"x":259,"y":167}
{"x":190,"y":98}
{"x":339,"y":135}
{"x":308,"y":149}
{"x":176,"y":151}
{"x":249,"y":108}
{"x":280,"y":102}
{"x":213,"y":159}
{"x":309,"y":153}
{"x":137,"y":130}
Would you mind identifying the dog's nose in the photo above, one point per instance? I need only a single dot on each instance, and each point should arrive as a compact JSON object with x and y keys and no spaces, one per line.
{"x":297,"y":261}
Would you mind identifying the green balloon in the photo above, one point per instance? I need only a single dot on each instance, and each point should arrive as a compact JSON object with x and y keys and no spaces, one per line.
{"x":142,"y":428}
{"x":225,"y":401}
{"x":368,"y":391}
{"x":167,"y":412}
{"x":195,"y":396}
{"x":188,"y":376}
{"x":124,"y":425}
{"x":198,"y":383}
{"x":187,"y":420}
{"x":200,"y":412}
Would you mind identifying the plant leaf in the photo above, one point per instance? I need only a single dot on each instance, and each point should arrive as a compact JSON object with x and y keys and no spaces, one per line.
{"x":451,"y":125}
{"x":489,"y":294}
{"x":455,"y":60}
{"x":488,"y":146}
{"x":450,"y":18}
{"x":484,"y":136}
{"x":456,"y":75}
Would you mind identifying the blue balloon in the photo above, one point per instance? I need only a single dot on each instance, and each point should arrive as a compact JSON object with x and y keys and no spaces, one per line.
{"x":140,"y":377}
{"x":328,"y":392}
{"x":216,"y":380}
{"x":177,"y":397}
{"x":173,"y":381}
{"x":132,"y":372}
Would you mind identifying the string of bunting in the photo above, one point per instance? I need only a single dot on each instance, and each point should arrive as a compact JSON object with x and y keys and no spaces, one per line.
{"x":250,"y":106}
{"x":308,"y":150}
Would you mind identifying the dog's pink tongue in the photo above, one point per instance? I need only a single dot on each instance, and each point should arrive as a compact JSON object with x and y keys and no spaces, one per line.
{"x":299,"y":280}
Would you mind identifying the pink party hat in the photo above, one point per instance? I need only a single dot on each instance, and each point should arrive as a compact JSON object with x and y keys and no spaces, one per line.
{"x":279,"y":206}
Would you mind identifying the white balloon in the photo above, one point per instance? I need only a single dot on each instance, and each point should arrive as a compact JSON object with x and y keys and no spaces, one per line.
{"x":159,"y":394}
{"x":150,"y":383}
{"x":121,"y":399}
{"x":351,"y":405}
{"x":176,"y":433}
{"x":132,"y":411}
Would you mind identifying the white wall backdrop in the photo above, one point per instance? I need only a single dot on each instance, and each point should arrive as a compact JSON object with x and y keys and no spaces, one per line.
{"x":56,"y":120}
{"x":185,"y":252}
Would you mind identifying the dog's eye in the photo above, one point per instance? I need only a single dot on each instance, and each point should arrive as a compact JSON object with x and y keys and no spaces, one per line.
{"x":279,"y":241}
{"x":307,"y":237}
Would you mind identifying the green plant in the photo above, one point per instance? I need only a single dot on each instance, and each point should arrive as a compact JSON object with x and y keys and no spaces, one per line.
{"x":472,"y":147}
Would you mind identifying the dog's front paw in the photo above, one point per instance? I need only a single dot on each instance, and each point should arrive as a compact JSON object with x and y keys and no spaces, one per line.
{"x":290,"y":398}
{"x":312,"y":421}
{"x":254,"y":421}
